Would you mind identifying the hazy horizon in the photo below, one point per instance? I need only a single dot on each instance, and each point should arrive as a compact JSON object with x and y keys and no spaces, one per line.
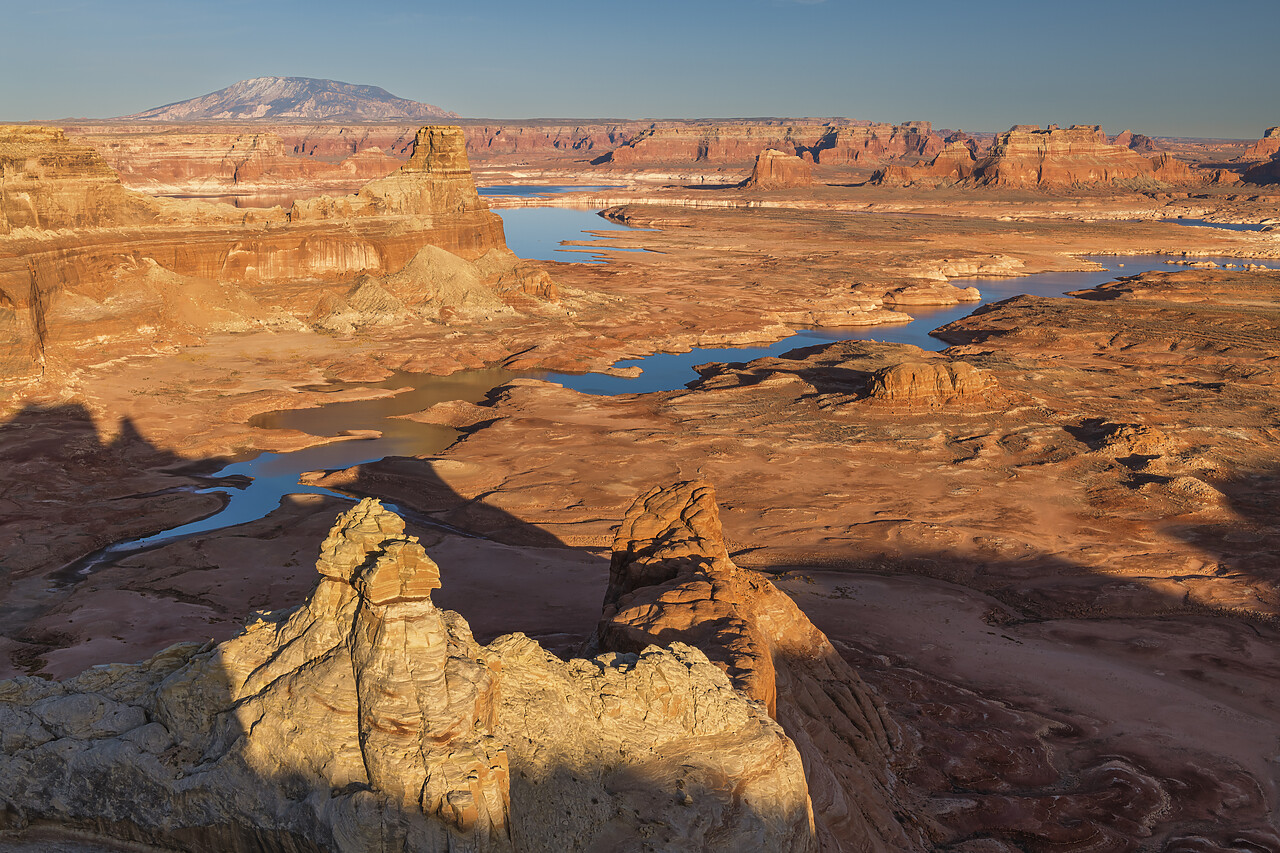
{"x":1159,"y":68}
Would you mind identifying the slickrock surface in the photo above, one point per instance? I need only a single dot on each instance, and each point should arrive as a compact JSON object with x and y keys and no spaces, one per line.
{"x":1051,"y":550}
{"x":776,"y":170}
{"x":368,"y":719}
{"x":672,"y":580}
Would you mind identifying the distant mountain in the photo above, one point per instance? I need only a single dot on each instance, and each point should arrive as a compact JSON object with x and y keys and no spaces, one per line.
{"x":301,"y":98}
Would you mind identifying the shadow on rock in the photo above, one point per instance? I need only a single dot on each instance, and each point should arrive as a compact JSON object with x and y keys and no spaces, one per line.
{"x":369,"y":719}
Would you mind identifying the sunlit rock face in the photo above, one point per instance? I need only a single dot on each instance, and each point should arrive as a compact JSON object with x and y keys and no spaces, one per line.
{"x":89,"y":269}
{"x":776,"y":170}
{"x":1026,"y":157}
{"x":368,"y":719}
{"x":1265,"y":147}
{"x":48,"y":182}
{"x":839,"y":145}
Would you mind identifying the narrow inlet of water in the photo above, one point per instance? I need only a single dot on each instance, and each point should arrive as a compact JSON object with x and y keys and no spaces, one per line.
{"x":261,"y":483}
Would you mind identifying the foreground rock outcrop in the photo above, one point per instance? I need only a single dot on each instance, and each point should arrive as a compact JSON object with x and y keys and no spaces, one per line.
{"x":369,"y":719}
{"x":672,"y":580}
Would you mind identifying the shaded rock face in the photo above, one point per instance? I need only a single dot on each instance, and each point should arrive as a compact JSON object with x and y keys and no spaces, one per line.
{"x":671,"y":580}
{"x":294,"y":98}
{"x":952,"y":164}
{"x":1135,"y":141}
{"x":1265,"y":173}
{"x":368,"y":719}
{"x":776,"y":170}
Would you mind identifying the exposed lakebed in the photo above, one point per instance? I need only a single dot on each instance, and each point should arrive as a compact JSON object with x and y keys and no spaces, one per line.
{"x":255,"y":487}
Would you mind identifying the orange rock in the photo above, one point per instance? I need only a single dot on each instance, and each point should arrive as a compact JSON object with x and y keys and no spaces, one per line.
{"x":1265,"y":147}
{"x":671,"y":580}
{"x":1026,"y":156}
{"x":776,"y":170}
{"x":931,"y":384}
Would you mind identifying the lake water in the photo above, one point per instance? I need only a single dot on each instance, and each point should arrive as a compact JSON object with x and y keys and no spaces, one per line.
{"x":537,"y":232}
{"x":667,"y":371}
{"x":531,"y":191}
{"x":1229,"y":226}
{"x":261,"y":483}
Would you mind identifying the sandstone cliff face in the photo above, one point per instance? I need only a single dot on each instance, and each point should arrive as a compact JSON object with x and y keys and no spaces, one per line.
{"x":776,"y":170}
{"x":370,"y":720}
{"x":846,"y":146}
{"x":1027,"y":157}
{"x":194,"y":161}
{"x":952,"y":164}
{"x":672,"y":580}
{"x":1076,"y":156}
{"x":1265,"y":147}
{"x":436,"y":181}
{"x":840,"y":145}
{"x":139,"y":273}
{"x":48,"y":182}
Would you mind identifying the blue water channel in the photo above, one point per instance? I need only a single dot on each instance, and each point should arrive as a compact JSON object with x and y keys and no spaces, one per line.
{"x":255,"y":487}
{"x":667,"y":371}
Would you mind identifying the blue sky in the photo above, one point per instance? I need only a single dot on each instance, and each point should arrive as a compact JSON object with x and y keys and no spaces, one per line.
{"x":1161,"y":68}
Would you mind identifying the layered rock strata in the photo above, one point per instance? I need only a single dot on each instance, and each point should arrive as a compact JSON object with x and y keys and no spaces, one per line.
{"x":48,"y":182}
{"x":137,"y":274}
{"x":828,"y":144}
{"x":671,"y":580}
{"x":368,"y":719}
{"x":1265,"y":147}
{"x":775,"y":170}
{"x":1027,"y":157}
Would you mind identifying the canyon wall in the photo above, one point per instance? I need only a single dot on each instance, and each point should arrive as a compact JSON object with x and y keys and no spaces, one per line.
{"x":89,"y":269}
{"x":1265,"y":147}
{"x":730,"y":144}
{"x":1026,"y":157}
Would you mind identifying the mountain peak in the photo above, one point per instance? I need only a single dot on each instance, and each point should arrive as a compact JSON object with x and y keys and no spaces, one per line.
{"x":301,"y":98}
